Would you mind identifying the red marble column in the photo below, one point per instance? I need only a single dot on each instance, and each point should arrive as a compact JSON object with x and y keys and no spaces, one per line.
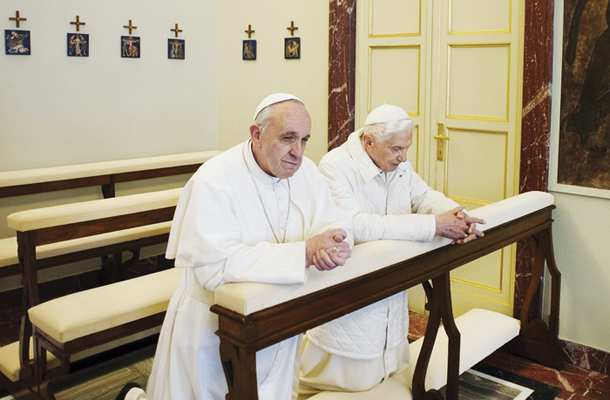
{"x":341,"y":71}
{"x":535,"y":124}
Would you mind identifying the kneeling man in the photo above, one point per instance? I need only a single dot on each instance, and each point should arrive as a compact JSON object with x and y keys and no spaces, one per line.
{"x":371,"y":179}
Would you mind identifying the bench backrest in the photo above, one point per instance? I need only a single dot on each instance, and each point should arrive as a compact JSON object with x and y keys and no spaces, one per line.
{"x":104,"y":174}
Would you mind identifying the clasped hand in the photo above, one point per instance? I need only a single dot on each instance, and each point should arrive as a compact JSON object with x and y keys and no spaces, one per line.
{"x":328,"y":250}
{"x":457,"y":226}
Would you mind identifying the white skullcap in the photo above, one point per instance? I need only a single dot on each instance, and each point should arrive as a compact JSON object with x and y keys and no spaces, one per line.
{"x":386,"y":113}
{"x":273,"y":99}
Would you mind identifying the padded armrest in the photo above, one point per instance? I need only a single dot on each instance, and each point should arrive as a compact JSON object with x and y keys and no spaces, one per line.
{"x":247,"y":298}
{"x":28,"y":176}
{"x":91,"y":210}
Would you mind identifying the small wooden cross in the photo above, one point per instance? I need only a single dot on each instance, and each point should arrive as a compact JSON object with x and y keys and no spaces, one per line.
{"x":176,"y":30}
{"x":292,"y":28}
{"x":130,"y":27}
{"x":17,"y":19}
{"x":77,"y":23}
{"x":249,"y":31}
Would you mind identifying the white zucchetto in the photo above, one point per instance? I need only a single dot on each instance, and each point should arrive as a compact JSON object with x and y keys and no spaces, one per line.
{"x":386,"y":113}
{"x":273,"y":99}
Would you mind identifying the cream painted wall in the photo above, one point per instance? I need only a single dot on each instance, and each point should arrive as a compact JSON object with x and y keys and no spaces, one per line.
{"x":243,"y":84}
{"x":583,"y":257}
{"x":580,"y":233}
{"x":58,"y":110}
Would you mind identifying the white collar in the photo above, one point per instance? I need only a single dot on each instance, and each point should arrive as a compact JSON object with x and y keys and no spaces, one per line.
{"x":255,"y":170}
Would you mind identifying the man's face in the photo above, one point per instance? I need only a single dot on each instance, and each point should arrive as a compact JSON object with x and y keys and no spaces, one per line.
{"x":389,"y":153}
{"x":279,"y":150}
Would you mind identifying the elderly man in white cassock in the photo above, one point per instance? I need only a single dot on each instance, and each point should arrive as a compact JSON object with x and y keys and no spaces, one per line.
{"x":259,"y":212}
{"x":371,"y":179}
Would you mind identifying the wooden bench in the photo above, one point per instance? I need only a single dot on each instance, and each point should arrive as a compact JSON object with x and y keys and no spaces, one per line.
{"x":71,"y":324}
{"x":253,"y":316}
{"x":104,"y":174}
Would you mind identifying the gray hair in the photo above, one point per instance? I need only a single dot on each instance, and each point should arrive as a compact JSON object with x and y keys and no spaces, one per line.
{"x":264,"y":116}
{"x":382,"y":130}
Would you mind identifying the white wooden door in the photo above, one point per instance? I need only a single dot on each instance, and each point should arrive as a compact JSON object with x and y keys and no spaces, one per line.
{"x":454,"y":66}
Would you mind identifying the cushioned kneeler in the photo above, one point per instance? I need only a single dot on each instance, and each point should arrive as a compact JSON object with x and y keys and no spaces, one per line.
{"x":9,"y":361}
{"x":90,"y":311}
{"x":481,"y":333}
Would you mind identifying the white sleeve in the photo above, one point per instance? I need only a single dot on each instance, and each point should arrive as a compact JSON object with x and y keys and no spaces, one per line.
{"x":210,"y":239}
{"x":419,"y":226}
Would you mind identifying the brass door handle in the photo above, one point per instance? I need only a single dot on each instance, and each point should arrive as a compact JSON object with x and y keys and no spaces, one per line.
{"x":440,"y":142}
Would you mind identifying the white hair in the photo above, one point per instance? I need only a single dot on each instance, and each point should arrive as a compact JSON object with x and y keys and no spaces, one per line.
{"x":382,"y":130}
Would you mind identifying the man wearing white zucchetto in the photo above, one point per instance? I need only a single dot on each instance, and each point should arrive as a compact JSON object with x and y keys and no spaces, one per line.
{"x":259,"y":212}
{"x":371,"y":179}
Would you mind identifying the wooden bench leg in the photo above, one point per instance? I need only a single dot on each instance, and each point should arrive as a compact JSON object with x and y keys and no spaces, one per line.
{"x":439,"y":305}
{"x":239,"y":365}
{"x":536,"y":341}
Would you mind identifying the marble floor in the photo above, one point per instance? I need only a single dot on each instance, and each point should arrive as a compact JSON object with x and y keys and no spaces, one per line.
{"x":97,"y":383}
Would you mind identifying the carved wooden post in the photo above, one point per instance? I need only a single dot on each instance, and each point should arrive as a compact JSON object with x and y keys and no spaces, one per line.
{"x":239,"y":365}
{"x":439,"y":298}
{"x":537,"y":341}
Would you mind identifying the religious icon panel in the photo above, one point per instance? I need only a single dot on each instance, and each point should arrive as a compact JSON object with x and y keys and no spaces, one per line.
{"x":249,"y":50}
{"x":17,"y":42}
{"x":78,"y":45}
{"x":175,"y":49}
{"x":130,"y":47}
{"x":292,"y":48}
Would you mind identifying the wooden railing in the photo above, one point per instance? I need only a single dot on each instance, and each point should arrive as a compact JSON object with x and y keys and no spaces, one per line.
{"x":242,"y":332}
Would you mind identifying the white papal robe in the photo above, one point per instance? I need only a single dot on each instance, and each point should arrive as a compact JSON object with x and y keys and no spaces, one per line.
{"x":221,"y":233}
{"x":359,"y":350}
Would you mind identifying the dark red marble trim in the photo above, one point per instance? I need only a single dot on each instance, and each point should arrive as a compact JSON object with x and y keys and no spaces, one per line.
{"x":535,"y":124}
{"x":341,"y":71}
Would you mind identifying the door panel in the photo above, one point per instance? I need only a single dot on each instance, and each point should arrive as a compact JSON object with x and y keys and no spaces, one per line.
{"x":454,"y":66}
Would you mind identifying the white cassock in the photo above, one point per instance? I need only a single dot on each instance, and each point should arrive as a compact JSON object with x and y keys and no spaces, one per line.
{"x":222,"y":233}
{"x":361,"y":349}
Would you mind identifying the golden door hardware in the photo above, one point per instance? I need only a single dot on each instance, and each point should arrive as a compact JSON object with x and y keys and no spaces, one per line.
{"x":440,"y":142}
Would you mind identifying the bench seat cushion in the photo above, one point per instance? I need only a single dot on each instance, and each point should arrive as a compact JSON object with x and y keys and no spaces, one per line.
{"x":90,"y":311}
{"x":28,"y":220}
{"x":482,"y":332}
{"x":9,"y":361}
{"x":49,"y":174}
{"x":8,"y":246}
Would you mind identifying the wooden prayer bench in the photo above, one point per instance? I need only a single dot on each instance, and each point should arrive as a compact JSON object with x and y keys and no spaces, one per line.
{"x":104,"y":174}
{"x":85,"y":320}
{"x":253,"y":316}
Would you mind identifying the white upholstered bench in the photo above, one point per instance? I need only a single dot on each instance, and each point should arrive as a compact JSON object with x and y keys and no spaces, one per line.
{"x":253,"y":316}
{"x":105,"y":173}
{"x":71,"y":324}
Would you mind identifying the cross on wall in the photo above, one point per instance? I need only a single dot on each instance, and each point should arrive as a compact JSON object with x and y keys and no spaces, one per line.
{"x":130,"y":27}
{"x":292,"y":28}
{"x":78,"y":23}
{"x":17,"y":18}
{"x":176,"y":30}
{"x":250,"y":31}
